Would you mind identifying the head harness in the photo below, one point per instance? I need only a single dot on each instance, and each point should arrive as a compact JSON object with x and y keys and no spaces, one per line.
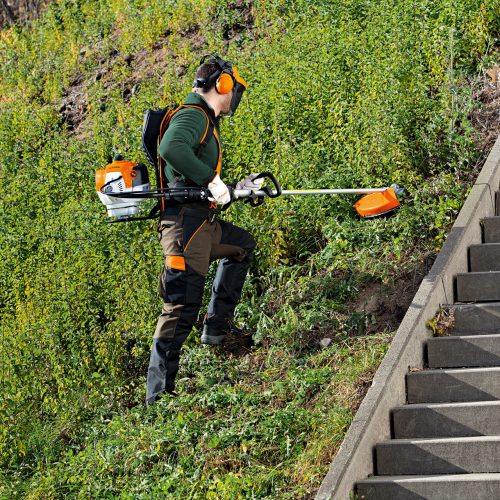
{"x":225,"y":77}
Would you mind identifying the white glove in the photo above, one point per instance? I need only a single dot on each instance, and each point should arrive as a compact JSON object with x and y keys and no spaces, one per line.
{"x":250,"y":183}
{"x":220,"y":192}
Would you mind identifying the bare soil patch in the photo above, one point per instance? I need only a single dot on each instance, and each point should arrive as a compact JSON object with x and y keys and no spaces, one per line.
{"x":20,"y":11}
{"x":145,"y":64}
{"x":486,"y":117}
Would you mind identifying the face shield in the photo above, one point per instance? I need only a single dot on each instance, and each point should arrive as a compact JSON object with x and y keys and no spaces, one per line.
{"x":239,"y":87}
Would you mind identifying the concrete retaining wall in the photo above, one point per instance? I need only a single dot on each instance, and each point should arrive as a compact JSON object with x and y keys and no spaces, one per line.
{"x":355,"y":459}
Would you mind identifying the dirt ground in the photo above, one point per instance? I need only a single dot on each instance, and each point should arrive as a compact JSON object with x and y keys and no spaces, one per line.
{"x":486,"y":117}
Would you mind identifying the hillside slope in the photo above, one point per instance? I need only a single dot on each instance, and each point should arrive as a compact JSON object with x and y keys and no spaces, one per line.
{"x":341,"y":94}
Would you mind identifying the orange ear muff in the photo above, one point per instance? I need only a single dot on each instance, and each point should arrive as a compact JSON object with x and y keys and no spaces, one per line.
{"x":225,"y":83}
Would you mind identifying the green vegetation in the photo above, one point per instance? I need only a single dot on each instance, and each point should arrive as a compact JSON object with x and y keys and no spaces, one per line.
{"x":341,"y":94}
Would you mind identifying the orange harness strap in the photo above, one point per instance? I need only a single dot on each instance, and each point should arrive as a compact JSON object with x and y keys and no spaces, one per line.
{"x":163,"y":127}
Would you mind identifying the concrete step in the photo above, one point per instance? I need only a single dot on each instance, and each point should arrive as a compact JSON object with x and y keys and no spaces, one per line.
{"x":491,"y":229}
{"x":438,"y":456}
{"x":484,"y":257}
{"x":478,"y":287}
{"x":430,"y":487}
{"x":479,"y":418}
{"x":450,"y":386}
{"x":473,"y":319}
{"x":464,"y":351}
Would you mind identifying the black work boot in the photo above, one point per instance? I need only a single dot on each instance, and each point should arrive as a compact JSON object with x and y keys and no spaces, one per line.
{"x":212,"y":338}
{"x":215,"y":330}
{"x":234,"y":334}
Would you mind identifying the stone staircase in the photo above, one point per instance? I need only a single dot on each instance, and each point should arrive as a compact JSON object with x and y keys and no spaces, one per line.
{"x":446,"y":440}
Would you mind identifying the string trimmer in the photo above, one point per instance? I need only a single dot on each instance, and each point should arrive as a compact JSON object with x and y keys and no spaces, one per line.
{"x":122,"y":185}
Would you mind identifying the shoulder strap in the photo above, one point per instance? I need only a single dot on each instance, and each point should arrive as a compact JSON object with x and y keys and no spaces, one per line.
{"x":210,"y":132}
{"x":209,"y":129}
{"x":207,"y":135}
{"x":205,"y":139}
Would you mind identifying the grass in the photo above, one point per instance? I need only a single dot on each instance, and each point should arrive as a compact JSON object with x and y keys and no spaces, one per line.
{"x":385,"y":97}
{"x":241,"y":424}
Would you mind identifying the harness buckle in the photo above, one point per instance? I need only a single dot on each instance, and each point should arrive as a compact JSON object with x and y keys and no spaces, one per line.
{"x":212,"y":214}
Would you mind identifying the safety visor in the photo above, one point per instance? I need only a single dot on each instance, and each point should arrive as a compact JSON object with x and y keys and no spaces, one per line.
{"x":239,"y":87}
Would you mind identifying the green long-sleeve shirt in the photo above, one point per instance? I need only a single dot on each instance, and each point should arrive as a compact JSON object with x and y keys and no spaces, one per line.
{"x":180,"y":144}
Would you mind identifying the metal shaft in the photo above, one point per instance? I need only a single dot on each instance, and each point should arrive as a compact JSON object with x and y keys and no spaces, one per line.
{"x":244,"y":193}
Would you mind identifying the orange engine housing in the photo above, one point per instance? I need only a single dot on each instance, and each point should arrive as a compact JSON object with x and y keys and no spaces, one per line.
{"x":121,"y":177}
{"x":124,"y":167}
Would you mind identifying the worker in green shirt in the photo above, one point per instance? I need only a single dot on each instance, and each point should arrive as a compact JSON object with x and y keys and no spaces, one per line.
{"x":191,"y":234}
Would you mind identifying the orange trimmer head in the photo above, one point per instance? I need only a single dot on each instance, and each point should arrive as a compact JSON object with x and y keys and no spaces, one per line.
{"x":377,"y":204}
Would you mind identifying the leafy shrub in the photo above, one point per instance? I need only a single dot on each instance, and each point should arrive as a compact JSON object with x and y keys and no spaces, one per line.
{"x":341,"y":94}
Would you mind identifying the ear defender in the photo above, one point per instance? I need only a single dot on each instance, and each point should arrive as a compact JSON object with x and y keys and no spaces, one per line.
{"x":224,"y":84}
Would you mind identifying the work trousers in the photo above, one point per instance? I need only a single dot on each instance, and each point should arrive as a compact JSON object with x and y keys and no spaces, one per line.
{"x":191,"y":239}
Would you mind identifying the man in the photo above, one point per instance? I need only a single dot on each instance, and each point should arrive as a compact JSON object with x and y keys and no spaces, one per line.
{"x":190,"y":233}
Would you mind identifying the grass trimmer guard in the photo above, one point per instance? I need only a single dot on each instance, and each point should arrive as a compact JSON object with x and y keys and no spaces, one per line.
{"x":377,"y":204}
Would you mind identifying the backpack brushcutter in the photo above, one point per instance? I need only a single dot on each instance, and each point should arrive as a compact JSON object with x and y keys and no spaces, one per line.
{"x":122,"y":185}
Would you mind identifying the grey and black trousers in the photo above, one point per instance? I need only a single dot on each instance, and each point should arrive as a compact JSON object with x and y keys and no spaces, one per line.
{"x":191,"y":238}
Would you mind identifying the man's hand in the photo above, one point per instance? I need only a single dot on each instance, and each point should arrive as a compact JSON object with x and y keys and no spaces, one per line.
{"x":220,"y":192}
{"x":250,"y":183}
